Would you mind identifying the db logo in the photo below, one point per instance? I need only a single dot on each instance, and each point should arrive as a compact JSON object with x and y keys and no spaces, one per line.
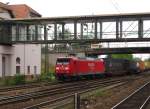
{"x":91,"y":64}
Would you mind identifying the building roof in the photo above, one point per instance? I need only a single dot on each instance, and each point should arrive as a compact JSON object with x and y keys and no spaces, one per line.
{"x":23,"y":11}
{"x":6,"y":7}
{"x":1,"y":18}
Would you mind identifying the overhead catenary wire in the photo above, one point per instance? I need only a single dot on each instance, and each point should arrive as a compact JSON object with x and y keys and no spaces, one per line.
{"x":116,"y":5}
{"x":118,"y":9}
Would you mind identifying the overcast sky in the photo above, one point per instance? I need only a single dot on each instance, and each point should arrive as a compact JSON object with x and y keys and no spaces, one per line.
{"x":50,"y":8}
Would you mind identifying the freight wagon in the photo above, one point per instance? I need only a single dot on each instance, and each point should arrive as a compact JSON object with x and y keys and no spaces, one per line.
{"x":120,"y":66}
{"x":115,"y":66}
{"x":141,"y":66}
{"x":147,"y":65}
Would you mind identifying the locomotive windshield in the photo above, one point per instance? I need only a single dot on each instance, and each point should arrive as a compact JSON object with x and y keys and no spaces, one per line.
{"x":63,"y":61}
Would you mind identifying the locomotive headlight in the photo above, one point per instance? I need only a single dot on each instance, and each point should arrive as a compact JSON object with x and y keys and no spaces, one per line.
{"x":102,"y":60}
{"x":57,"y":68}
{"x":66,"y":68}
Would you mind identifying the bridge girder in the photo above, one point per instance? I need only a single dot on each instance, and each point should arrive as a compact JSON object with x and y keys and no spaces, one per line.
{"x":83,"y":29}
{"x":127,"y":50}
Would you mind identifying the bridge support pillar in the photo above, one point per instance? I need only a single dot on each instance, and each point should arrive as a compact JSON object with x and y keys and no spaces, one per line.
{"x":120,"y":29}
{"x":17,"y":32}
{"x":140,"y":28}
{"x":55,"y":31}
{"x":117,"y":29}
{"x":63,"y":31}
{"x":95,"y":30}
{"x":101,"y":29}
{"x":75,"y":30}
{"x":81,"y":30}
{"x":45,"y":32}
{"x":36,"y":32}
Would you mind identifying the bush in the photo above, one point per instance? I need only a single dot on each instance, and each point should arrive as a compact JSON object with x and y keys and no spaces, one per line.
{"x":8,"y":81}
{"x":47,"y":76}
{"x":14,"y":80}
{"x":19,"y":79}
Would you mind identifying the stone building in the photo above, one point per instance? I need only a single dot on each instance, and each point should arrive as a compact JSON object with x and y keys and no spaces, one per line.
{"x":19,"y":58}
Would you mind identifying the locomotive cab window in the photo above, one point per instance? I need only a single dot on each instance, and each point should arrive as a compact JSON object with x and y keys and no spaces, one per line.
{"x":63,"y":61}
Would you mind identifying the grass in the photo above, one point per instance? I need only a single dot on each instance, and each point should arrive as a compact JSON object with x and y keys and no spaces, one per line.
{"x":89,"y":96}
{"x":67,"y":106}
{"x":21,"y":79}
{"x":95,"y":93}
{"x":14,"y":80}
{"x":100,"y":94}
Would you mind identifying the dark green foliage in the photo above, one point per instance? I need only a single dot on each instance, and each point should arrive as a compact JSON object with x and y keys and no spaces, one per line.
{"x":47,"y":77}
{"x":147,"y":59}
{"x":137,"y":59}
{"x":122,"y":56}
{"x":8,"y":81}
{"x":19,"y":79}
{"x":15,"y":80}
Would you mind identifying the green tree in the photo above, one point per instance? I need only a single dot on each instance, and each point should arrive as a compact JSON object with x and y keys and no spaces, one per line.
{"x":147,"y":59}
{"x":137,"y":59}
{"x":123,"y":56}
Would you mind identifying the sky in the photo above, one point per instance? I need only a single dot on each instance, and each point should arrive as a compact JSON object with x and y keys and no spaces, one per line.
{"x":49,"y":8}
{"x":53,"y":8}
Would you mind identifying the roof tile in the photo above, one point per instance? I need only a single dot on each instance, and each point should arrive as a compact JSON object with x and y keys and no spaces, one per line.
{"x":23,"y":11}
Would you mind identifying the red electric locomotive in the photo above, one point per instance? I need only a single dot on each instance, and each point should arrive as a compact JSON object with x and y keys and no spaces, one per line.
{"x":70,"y":67}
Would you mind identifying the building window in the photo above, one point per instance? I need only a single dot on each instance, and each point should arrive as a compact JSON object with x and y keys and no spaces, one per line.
{"x":17,"y":60}
{"x":17,"y":69}
{"x":3,"y":66}
{"x":28,"y":69}
{"x":35,"y":70}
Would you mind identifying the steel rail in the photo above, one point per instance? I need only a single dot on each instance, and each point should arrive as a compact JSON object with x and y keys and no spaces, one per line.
{"x":118,"y":83}
{"x":50,"y":102}
{"x":56,"y":86}
{"x":32,"y":85}
{"x":147,"y":101}
{"x":25,"y":86}
{"x":131,"y":99}
{"x":34,"y":95}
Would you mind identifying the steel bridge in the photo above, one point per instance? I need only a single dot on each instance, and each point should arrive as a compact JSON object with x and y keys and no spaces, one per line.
{"x":79,"y":30}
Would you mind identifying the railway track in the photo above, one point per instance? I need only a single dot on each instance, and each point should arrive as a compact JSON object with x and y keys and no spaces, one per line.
{"x":139,"y":99}
{"x":147,"y":105}
{"x":55,"y":92}
{"x":68,"y":99}
{"x":51,"y":91}
{"x":31,"y":86}
{"x":54,"y":102}
{"x":26,"y":86}
{"x":18,"y":87}
{"x":15,"y":90}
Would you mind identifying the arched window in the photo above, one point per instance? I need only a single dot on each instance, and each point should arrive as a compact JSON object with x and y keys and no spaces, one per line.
{"x":17,"y":60}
